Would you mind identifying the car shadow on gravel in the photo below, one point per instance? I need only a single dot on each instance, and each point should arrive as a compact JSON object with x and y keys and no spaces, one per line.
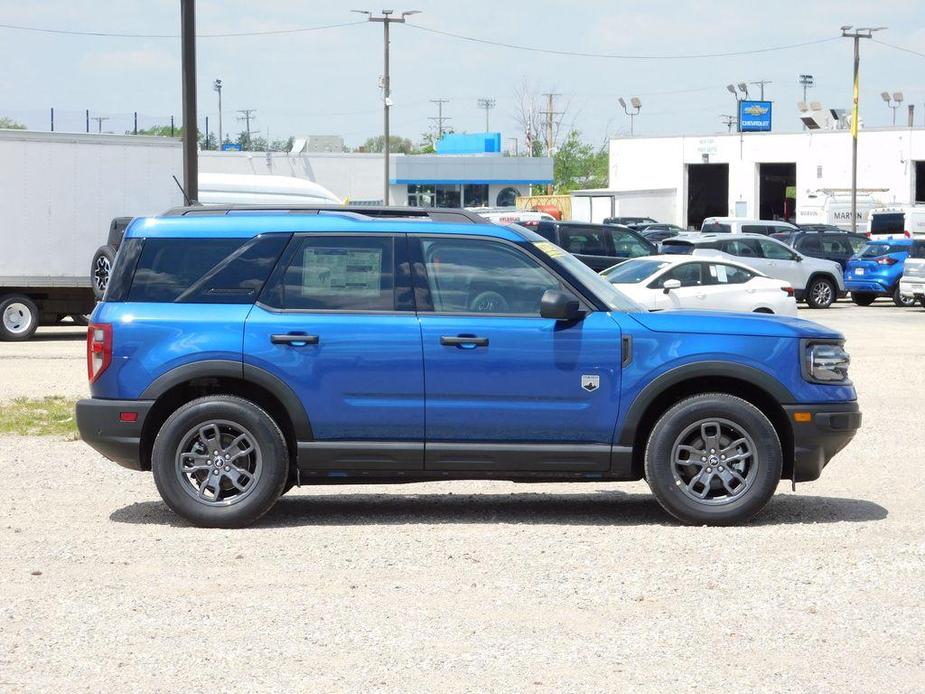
{"x":603,"y":507}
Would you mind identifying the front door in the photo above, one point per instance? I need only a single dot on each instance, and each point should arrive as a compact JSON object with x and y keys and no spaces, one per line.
{"x":505,"y":388}
{"x":336,"y":325}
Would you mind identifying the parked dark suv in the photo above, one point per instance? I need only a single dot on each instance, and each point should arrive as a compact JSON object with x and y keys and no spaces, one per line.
{"x":599,"y":246}
{"x":828,"y":245}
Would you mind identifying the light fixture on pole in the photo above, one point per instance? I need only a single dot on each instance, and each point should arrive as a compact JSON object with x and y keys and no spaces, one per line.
{"x":744,"y":89}
{"x":807,"y":82}
{"x":217,"y":86}
{"x":636,"y":106}
{"x":487,"y":104}
{"x":894,"y":101}
{"x":386,"y":19}
{"x":731,"y":88}
{"x":858,"y":34}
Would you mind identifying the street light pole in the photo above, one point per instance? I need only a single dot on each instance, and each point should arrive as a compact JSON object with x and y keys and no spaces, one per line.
{"x":806,"y":81}
{"x":217,"y":86}
{"x":637,"y":106}
{"x":857,"y":35}
{"x":386,"y":19}
{"x":188,"y":50}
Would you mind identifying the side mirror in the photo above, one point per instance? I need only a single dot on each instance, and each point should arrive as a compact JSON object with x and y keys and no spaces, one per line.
{"x":668,"y":285}
{"x":558,"y":305}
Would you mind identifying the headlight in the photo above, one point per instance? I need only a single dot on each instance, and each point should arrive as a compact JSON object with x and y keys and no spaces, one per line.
{"x":825,"y":362}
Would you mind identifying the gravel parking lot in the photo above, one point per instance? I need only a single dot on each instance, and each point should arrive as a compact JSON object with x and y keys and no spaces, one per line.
{"x":471,"y":586}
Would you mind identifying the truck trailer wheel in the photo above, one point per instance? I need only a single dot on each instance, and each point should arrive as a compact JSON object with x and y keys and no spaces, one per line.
{"x":100,"y":269}
{"x":19,"y":317}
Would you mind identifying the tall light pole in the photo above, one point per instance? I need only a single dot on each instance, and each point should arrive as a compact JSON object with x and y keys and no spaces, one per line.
{"x":217,"y":86}
{"x":488,"y":105}
{"x":857,"y":35}
{"x":386,"y":19}
{"x":188,"y":69}
{"x":807,"y":82}
{"x":637,"y":106}
{"x":894,"y":101}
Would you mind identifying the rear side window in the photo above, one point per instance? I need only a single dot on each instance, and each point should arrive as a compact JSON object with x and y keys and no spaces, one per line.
{"x":239,"y":278}
{"x":626,"y":245}
{"x":728,"y":274}
{"x":715,"y":228}
{"x":168,"y":267}
{"x":888,"y":223}
{"x":754,"y":229}
{"x":744,"y":248}
{"x":340,"y":273}
{"x":585,"y":241}
{"x":677,"y":247}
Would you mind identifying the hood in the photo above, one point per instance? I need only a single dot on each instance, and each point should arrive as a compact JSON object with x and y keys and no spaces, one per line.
{"x":720,"y":323}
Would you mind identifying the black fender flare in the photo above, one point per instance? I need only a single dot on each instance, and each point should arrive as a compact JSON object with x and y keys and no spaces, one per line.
{"x":219,"y":368}
{"x":701,"y":369}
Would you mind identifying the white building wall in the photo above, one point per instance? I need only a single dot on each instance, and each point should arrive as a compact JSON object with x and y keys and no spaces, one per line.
{"x":823,"y":160}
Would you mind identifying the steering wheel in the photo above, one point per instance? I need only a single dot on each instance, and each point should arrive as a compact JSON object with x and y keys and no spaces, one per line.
{"x":489,"y":302}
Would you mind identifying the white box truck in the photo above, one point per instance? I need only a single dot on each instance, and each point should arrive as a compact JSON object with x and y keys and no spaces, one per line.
{"x":61,"y":193}
{"x":833,"y":207}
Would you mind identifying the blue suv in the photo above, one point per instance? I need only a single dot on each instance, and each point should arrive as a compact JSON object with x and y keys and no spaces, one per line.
{"x":239,"y":352}
{"x":876,"y":270}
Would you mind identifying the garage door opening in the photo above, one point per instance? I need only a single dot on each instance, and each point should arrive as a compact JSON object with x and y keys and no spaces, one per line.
{"x":776,"y":191}
{"x":707,"y":192}
{"x":919,"y":182}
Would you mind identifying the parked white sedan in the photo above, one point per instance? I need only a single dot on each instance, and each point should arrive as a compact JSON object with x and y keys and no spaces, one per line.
{"x":693,"y":282}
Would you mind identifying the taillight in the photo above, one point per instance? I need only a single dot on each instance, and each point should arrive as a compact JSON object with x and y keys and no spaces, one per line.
{"x":869,"y":235}
{"x":907,"y":234}
{"x":99,"y":349}
{"x":886,"y":260}
{"x":787,"y":290}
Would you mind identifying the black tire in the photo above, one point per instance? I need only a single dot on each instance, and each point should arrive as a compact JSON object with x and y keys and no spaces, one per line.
{"x":101,"y":269}
{"x":862,"y":299}
{"x":900,"y":301}
{"x":674,"y":488}
{"x":19,"y":317}
{"x":820,"y":293}
{"x":268,"y":462}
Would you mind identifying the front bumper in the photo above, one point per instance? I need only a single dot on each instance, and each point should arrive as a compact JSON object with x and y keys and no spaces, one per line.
{"x":100,"y":426}
{"x":830,"y":428}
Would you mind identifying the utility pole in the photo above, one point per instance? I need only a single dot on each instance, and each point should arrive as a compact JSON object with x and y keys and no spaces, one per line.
{"x":729,"y":120}
{"x":761,"y":83}
{"x":217,"y":86}
{"x":858,"y":34}
{"x":247,"y":114}
{"x":440,"y":118}
{"x":487,"y":104}
{"x":188,"y":70}
{"x":99,"y":122}
{"x":550,"y":113}
{"x":386,"y":19}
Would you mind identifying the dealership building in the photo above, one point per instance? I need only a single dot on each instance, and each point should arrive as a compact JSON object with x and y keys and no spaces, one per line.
{"x":763,"y":175}
{"x":467,"y":171}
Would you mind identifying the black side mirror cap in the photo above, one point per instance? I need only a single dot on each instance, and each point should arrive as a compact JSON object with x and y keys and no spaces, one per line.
{"x":558,"y":305}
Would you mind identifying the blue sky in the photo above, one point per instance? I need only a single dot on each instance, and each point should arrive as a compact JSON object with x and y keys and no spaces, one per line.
{"x":326,"y":82}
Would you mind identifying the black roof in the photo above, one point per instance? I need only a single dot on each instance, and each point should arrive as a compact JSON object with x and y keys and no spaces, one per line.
{"x":435,"y":214}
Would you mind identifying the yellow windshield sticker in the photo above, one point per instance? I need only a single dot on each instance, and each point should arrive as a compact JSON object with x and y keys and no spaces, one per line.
{"x":550,"y":249}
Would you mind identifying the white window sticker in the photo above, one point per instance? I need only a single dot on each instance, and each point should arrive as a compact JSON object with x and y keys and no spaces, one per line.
{"x":341,"y":271}
{"x":721,"y":273}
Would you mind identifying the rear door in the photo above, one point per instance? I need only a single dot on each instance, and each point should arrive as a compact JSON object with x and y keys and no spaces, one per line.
{"x":782,"y":263}
{"x":592,"y":245}
{"x":336,"y":323}
{"x":506,"y":388}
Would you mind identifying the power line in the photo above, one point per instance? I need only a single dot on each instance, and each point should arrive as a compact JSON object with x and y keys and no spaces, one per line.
{"x":121,"y":35}
{"x":247,"y":114}
{"x":898,"y":48}
{"x":583,"y":54}
{"x":439,"y":118}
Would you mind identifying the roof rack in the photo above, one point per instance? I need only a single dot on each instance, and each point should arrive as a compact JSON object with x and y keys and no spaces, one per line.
{"x":436,"y":214}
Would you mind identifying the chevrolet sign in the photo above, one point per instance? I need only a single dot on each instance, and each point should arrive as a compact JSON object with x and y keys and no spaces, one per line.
{"x":755,"y":116}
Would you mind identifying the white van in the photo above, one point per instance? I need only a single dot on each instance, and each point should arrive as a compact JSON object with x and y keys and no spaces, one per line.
{"x":259,"y":189}
{"x":744,"y":225}
{"x":906,"y":221}
{"x":833,"y":207}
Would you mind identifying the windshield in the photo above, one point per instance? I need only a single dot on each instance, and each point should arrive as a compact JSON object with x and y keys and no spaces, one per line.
{"x":875,"y":250}
{"x":604,"y":290}
{"x":632,"y":271}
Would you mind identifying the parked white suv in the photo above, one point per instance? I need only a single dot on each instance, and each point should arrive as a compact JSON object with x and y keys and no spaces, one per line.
{"x":816,"y":281}
{"x":744,"y":225}
{"x":912,"y":283}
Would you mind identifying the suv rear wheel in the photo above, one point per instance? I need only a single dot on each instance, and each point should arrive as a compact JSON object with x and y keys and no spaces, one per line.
{"x":220,"y":462}
{"x":820,"y":293}
{"x":713,"y":459}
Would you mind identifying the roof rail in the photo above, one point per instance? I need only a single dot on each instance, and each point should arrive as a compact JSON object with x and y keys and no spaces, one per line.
{"x":435,"y":214}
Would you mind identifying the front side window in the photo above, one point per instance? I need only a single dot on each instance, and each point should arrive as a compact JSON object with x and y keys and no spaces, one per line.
{"x":775,"y":251}
{"x":585,"y":241}
{"x":688,"y":274}
{"x":633,"y":271}
{"x":625,"y":245}
{"x":478,"y":276}
{"x":346,"y":273}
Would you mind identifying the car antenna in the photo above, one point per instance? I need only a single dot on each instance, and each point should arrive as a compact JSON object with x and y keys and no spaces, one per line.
{"x":189,"y":203}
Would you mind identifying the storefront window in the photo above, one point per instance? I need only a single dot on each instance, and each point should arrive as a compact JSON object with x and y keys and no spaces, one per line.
{"x":475,"y":194}
{"x":448,"y":196}
{"x":507,"y":197}
{"x":420,"y":195}
{"x":434,"y":195}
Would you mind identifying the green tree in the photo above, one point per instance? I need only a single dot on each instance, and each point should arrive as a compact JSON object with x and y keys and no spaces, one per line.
{"x":10,"y":124}
{"x":396,"y":144}
{"x":577,"y":165}
{"x":158,"y":131}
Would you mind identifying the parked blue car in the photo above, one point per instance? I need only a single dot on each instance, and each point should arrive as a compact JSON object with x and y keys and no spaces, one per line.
{"x":875,"y":271}
{"x":239,"y":352}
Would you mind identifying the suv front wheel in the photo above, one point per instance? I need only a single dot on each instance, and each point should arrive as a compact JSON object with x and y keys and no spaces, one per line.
{"x":220,"y":462}
{"x":820,"y":293}
{"x":713,"y":459}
